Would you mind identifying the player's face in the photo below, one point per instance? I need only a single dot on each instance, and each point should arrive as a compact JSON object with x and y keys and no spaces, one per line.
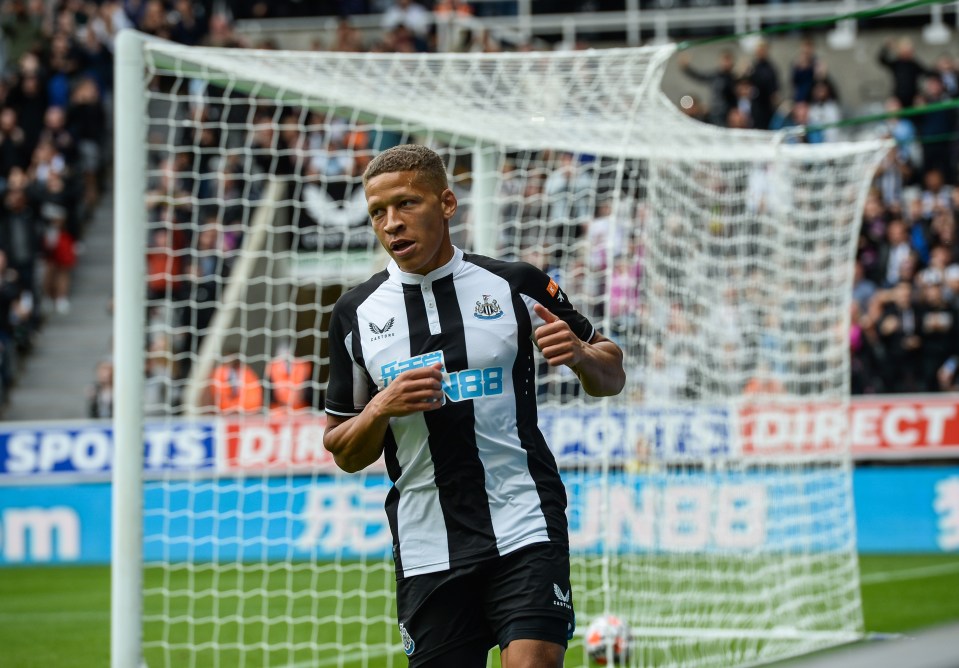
{"x":411,"y":220}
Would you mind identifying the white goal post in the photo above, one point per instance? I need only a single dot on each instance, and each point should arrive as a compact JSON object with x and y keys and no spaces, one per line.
{"x":710,"y":504}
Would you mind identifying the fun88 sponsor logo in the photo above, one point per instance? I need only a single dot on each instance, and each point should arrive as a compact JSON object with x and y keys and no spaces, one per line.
{"x":474,"y":383}
{"x":390,"y":371}
{"x":458,"y":385}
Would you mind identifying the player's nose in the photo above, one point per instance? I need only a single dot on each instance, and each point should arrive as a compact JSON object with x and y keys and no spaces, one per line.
{"x":393,"y":220}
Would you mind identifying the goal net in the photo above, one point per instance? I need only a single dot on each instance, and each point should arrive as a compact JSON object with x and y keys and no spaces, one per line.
{"x":710,"y":503}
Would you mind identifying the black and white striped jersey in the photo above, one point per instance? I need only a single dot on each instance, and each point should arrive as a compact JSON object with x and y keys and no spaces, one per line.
{"x":473,"y":479}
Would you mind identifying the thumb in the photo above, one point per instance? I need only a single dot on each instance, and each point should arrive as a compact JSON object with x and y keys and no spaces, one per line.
{"x":544,"y":313}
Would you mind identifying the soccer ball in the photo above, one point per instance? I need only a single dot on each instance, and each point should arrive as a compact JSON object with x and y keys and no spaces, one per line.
{"x":607,"y":630}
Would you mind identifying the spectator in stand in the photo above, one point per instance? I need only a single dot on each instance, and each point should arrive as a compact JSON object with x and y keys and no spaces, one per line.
{"x":937,"y":328}
{"x":736,"y":119}
{"x":665,"y":381}
{"x":872,"y":235}
{"x":894,"y":253}
{"x":940,"y":259}
{"x":205,"y":276}
{"x":936,"y":194}
{"x":150,"y":17}
{"x":764,"y":382}
{"x":624,"y":293}
{"x":891,"y":176}
{"x":100,"y":394}
{"x":796,"y":115}
{"x":411,"y":14}
{"x":870,"y":356}
{"x":53,"y":199}
{"x":10,"y":293}
{"x":946,"y":69}
{"x":942,"y":233}
{"x":158,"y":391}
{"x":109,"y":21}
{"x":950,"y":289}
{"x":46,"y":161}
{"x":937,"y":129}
{"x":824,"y":111}
{"x":221,"y":33}
{"x":804,"y":71}
{"x":96,"y":58}
{"x":483,"y":41}
{"x":509,"y":194}
{"x":348,"y":39}
{"x":235,"y":388}
{"x":20,"y":232}
{"x":906,"y":70}
{"x":289,"y":382}
{"x":898,"y":329}
{"x":63,"y":64}
{"x":568,"y":195}
{"x":13,"y":143}
{"x":163,"y":265}
{"x":902,"y":130}
{"x":859,"y":371}
{"x":60,"y":257}
{"x":188,"y":28}
{"x":765,"y":78}
{"x":22,"y":31}
{"x":721,"y":82}
{"x":606,"y":231}
{"x":863,"y":289}
{"x":28,"y":96}
{"x":743,"y":114}
{"x":400,"y":39}
{"x":444,"y":10}
{"x":87,"y":122}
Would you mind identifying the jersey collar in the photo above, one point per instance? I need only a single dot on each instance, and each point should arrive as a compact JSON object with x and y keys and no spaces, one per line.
{"x":419,"y":279}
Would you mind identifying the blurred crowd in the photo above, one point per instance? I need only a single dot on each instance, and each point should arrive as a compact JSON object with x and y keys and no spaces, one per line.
{"x":56,"y":98}
{"x":905,"y":311}
{"x":54,"y":94}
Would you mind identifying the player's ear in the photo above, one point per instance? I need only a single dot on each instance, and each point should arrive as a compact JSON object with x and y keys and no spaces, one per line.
{"x":448,"y":201}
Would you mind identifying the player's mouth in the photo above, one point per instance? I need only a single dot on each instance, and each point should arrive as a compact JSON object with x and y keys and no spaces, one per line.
{"x":401,"y":247}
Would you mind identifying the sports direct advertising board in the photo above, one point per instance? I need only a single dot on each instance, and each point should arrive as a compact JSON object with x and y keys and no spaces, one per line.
{"x":55,"y":492}
{"x":900,"y":427}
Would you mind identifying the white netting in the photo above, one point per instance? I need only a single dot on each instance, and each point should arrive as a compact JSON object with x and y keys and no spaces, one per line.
{"x":720,"y":261}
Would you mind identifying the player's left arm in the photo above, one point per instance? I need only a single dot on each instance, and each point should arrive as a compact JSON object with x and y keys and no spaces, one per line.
{"x":598,"y":363}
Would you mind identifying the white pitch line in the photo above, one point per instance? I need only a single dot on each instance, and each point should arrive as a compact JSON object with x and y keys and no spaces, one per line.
{"x":909,"y":574}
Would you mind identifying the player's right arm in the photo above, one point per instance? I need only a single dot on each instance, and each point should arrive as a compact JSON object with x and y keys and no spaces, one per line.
{"x":357,"y":441}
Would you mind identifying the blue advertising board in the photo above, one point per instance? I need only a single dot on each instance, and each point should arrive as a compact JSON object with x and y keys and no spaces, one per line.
{"x":87,"y":448}
{"x":907,"y":509}
{"x":576,"y":434}
{"x":897,"y":510}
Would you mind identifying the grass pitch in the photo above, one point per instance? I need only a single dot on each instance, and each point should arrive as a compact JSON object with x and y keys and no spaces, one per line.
{"x":59,"y":616}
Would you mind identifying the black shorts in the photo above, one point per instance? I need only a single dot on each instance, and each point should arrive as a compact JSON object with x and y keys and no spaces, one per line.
{"x":524,"y":595}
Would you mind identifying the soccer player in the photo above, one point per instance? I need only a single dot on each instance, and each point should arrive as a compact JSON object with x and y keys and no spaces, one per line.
{"x":431,"y":366}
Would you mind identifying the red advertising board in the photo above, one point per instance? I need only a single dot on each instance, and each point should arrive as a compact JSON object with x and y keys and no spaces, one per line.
{"x":262,"y":444}
{"x":898,"y":427}
{"x":907,"y":426}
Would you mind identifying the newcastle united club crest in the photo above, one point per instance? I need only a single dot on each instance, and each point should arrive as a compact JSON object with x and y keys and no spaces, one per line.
{"x":488,"y":309}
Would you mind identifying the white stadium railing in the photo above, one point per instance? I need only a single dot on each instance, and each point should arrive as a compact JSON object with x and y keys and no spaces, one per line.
{"x":664,"y":19}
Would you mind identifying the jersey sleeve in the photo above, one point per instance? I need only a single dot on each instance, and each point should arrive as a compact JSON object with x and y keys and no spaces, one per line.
{"x":539,"y":287}
{"x":348,"y":390}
